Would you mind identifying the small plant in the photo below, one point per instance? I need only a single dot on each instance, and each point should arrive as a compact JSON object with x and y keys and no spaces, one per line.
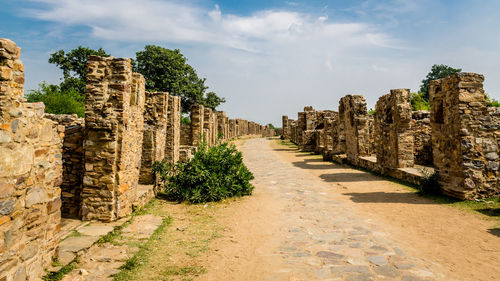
{"x":429,"y":184}
{"x":214,"y":173}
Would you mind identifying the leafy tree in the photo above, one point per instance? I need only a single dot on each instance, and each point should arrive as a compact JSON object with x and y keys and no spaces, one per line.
{"x":271,"y":126}
{"x":58,"y":101}
{"x":418,"y":102}
{"x":491,"y":101}
{"x":438,"y":71}
{"x":69,"y":96}
{"x":74,"y":66}
{"x":167,"y":70}
{"x":371,"y":111}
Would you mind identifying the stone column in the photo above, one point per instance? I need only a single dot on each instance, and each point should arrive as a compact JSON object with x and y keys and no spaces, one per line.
{"x":464,"y":137}
{"x":173,"y":140}
{"x":208,"y":126}
{"x":393,"y":135}
{"x":154,"y":134}
{"x":114,"y":107}
{"x":197,"y":123}
{"x":221,"y":124}
{"x":354,"y":118}
{"x":30,"y":176}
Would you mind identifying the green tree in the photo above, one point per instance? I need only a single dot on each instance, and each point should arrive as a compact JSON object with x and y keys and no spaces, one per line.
{"x":167,"y":70}
{"x":74,"y":66}
{"x":58,"y":101}
{"x":69,"y":96}
{"x":418,"y":102}
{"x":438,"y":71}
{"x":491,"y":102}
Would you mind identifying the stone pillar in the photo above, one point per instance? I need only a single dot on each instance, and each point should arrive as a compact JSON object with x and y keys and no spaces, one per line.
{"x":393,"y":135}
{"x":73,"y":165}
{"x":154,"y":134}
{"x":226,"y":129}
{"x":208,"y":124}
{"x":354,"y":118}
{"x":464,"y":137}
{"x":114,"y":107}
{"x":214,"y":129}
{"x":421,"y":128}
{"x":173,"y":140}
{"x":30,"y":176}
{"x":197,"y":123}
{"x":232,"y":128}
{"x":221,"y":124}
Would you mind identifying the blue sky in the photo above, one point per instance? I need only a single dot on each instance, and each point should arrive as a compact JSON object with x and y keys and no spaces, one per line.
{"x":270,"y":58}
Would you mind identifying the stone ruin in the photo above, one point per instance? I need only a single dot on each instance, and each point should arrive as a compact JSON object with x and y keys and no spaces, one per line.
{"x":458,"y":139}
{"x":92,"y":168}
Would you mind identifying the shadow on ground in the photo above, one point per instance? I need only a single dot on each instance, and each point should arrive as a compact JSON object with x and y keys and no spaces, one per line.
{"x":349,"y":177}
{"x":388,"y":197}
{"x":494,"y":231}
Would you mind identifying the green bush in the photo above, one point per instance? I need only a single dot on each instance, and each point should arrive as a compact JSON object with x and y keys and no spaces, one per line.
{"x":214,"y":173}
{"x":429,"y":184}
{"x":418,"y":102}
{"x":58,"y":101}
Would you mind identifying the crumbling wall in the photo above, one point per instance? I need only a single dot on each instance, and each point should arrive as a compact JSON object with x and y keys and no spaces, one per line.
{"x":114,"y":107}
{"x":208,"y":126}
{"x":285,"y":127}
{"x":421,"y":127}
{"x":72,"y":157}
{"x":464,"y":137}
{"x":173,"y":140}
{"x":393,"y":134}
{"x":354,"y":120}
{"x":154,"y":134}
{"x":186,"y":134}
{"x":221,"y":124}
{"x":232,"y":128}
{"x":30,"y":176}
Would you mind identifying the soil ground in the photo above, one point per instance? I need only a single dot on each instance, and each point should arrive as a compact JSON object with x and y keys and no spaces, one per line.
{"x":314,"y":220}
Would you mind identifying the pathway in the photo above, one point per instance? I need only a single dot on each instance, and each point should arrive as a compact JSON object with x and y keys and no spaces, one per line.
{"x":299,"y":225}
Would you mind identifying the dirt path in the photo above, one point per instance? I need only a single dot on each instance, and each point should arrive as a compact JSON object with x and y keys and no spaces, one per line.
{"x":313,"y":220}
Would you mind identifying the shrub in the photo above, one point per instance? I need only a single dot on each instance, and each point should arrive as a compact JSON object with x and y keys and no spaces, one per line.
{"x":418,"y":101}
{"x":214,"y":173}
{"x":58,"y":101}
{"x":429,"y":184}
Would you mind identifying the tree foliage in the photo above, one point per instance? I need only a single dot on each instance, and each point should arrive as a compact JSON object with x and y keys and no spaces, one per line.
{"x":167,"y":70}
{"x":491,"y":102}
{"x":438,"y":71}
{"x":418,"y":102}
{"x":69,"y":96}
{"x":58,"y":101}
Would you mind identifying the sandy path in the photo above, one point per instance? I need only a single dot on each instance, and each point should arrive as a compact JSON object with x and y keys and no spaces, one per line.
{"x":313,"y":220}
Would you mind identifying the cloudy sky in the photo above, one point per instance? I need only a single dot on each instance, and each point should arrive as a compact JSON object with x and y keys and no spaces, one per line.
{"x":270,"y":57}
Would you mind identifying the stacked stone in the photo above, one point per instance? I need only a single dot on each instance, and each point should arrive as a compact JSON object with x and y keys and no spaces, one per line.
{"x":232,"y":128}
{"x":284,"y":124}
{"x":154,"y":134}
{"x":186,"y":134}
{"x":226,"y":128}
{"x":393,"y":134}
{"x":464,"y":137}
{"x":197,"y":123}
{"x":114,"y":107}
{"x":72,"y":157}
{"x":221,"y":124}
{"x":30,"y":176}
{"x":214,"y":128}
{"x":173,"y":138}
{"x":421,"y":127}
{"x":354,"y":127}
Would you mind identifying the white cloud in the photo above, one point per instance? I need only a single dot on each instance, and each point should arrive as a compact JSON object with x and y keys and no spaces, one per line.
{"x":266,"y":64}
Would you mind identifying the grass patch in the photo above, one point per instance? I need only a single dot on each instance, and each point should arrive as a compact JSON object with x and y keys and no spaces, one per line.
{"x":56,"y":276}
{"x":187,"y":270}
{"x":141,"y":256}
{"x":74,"y":233}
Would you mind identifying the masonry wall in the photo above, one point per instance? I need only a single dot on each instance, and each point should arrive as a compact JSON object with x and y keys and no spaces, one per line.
{"x":221,"y":124}
{"x":354,"y":118}
{"x":114,"y":107}
{"x":30,"y":176}
{"x":173,"y":139}
{"x":421,"y":127}
{"x":393,"y":134}
{"x":464,"y":137}
{"x":73,"y":165}
{"x":197,"y":124}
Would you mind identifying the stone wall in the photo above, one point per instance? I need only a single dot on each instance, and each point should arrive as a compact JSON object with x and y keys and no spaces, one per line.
{"x":154,"y":133}
{"x":285,"y":128}
{"x":221,"y":124}
{"x":464,"y":137}
{"x":114,"y":107}
{"x":173,"y":140}
{"x":354,"y":118}
{"x":421,"y":127}
{"x":72,"y":157}
{"x":30,"y":176}
{"x":393,"y":134}
{"x":197,"y":124}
